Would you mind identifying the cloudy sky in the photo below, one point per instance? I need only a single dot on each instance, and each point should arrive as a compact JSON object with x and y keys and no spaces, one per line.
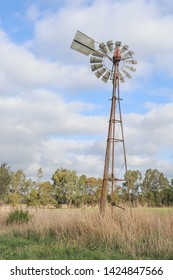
{"x":53,"y":110}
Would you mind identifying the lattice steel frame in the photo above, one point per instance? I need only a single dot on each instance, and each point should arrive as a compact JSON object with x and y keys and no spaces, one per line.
{"x":121,"y":55}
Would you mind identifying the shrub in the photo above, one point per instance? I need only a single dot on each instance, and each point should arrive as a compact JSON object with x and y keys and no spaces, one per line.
{"x":18,"y":216}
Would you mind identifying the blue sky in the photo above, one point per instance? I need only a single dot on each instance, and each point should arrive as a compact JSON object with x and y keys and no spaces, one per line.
{"x":53,"y":110}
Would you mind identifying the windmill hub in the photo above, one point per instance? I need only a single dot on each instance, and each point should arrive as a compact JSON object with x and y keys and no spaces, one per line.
{"x":117,"y":56}
{"x":108,"y":63}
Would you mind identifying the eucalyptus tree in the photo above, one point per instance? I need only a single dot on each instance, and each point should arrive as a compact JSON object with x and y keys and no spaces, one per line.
{"x":45,"y":194}
{"x":153,"y":186}
{"x":134,"y":179}
{"x":5,"y":180}
{"x":65,"y":185}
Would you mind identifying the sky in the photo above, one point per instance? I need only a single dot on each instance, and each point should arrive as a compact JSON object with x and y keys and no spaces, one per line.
{"x":54,"y":112}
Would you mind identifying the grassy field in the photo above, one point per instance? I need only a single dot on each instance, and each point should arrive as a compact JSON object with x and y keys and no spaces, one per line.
{"x":83,"y":234}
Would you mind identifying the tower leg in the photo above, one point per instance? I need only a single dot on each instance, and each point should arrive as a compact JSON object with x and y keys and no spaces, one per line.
{"x":107,"y":156}
{"x":115,"y":124}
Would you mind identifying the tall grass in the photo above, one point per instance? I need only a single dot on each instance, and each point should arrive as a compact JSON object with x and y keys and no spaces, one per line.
{"x":144,"y":235}
{"x":18,"y":216}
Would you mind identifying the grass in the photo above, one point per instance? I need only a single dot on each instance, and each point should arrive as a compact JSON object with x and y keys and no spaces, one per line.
{"x":83,"y":234}
{"x":16,"y":247}
{"x":18,"y":216}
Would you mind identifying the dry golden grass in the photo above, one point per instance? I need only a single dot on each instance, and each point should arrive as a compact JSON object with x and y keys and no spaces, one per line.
{"x":144,"y":234}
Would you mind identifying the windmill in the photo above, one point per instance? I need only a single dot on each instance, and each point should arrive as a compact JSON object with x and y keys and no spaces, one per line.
{"x":114,"y":62}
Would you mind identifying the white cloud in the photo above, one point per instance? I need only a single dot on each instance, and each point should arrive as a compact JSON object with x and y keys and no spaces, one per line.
{"x":42,"y":126}
{"x":41,"y":129}
{"x":149,"y":138}
{"x":141,"y":24}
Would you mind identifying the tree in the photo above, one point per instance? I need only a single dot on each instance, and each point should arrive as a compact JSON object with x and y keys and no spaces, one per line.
{"x":131,"y":187}
{"x":65,"y":185}
{"x":134,"y":178}
{"x":93,"y":186}
{"x":33,"y":198}
{"x":19,"y":184}
{"x":45,"y":194}
{"x":153,"y":185}
{"x":13,"y":199}
{"x":79,"y":198}
{"x":167,"y":195}
{"x":5,"y":180}
{"x":171,"y":185}
{"x":115,"y":196}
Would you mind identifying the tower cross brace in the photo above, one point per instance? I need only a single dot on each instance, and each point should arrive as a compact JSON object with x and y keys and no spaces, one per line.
{"x":115,"y":118}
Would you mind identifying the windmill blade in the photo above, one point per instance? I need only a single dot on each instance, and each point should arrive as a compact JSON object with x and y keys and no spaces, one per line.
{"x":110,"y":45}
{"x":121,"y":78}
{"x":126,"y":55}
{"x":118,"y":44}
{"x":96,"y":66}
{"x":127,"y":74}
{"x":100,"y":72}
{"x":103,"y":47}
{"x":97,"y":54}
{"x":130,"y":68}
{"x":124,"y":48}
{"x":106,"y":76}
{"x":131,"y":52}
{"x":131,"y":61}
{"x":95,"y":60}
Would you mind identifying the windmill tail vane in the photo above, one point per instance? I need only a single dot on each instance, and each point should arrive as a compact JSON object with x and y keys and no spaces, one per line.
{"x":110,"y":61}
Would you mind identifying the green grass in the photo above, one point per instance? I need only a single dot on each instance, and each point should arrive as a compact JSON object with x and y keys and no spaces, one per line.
{"x":19,"y":248}
{"x":14,"y":247}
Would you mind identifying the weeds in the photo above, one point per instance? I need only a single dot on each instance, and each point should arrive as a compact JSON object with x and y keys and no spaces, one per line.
{"x":18,"y":217}
{"x":144,"y":235}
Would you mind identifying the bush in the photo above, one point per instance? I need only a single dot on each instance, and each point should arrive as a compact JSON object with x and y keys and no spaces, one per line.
{"x":18,"y":216}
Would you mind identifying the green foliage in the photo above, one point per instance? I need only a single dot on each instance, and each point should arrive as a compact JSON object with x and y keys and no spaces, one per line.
{"x":18,"y":181}
{"x":18,"y":217}
{"x":14,"y":199}
{"x":92,"y":192}
{"x":134,"y":179}
{"x":65,"y":185}
{"x":33,"y":198}
{"x":78,"y":191}
{"x":153,"y":187}
{"x":5,"y":179}
{"x":45,"y":193}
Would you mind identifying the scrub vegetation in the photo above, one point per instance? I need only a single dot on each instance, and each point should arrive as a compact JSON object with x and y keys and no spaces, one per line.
{"x":144,"y":233}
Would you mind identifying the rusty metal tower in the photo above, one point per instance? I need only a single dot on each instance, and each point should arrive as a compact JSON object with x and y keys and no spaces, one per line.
{"x":110,"y":61}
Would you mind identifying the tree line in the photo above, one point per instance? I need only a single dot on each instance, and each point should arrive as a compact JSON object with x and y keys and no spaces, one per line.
{"x":67,"y":187}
